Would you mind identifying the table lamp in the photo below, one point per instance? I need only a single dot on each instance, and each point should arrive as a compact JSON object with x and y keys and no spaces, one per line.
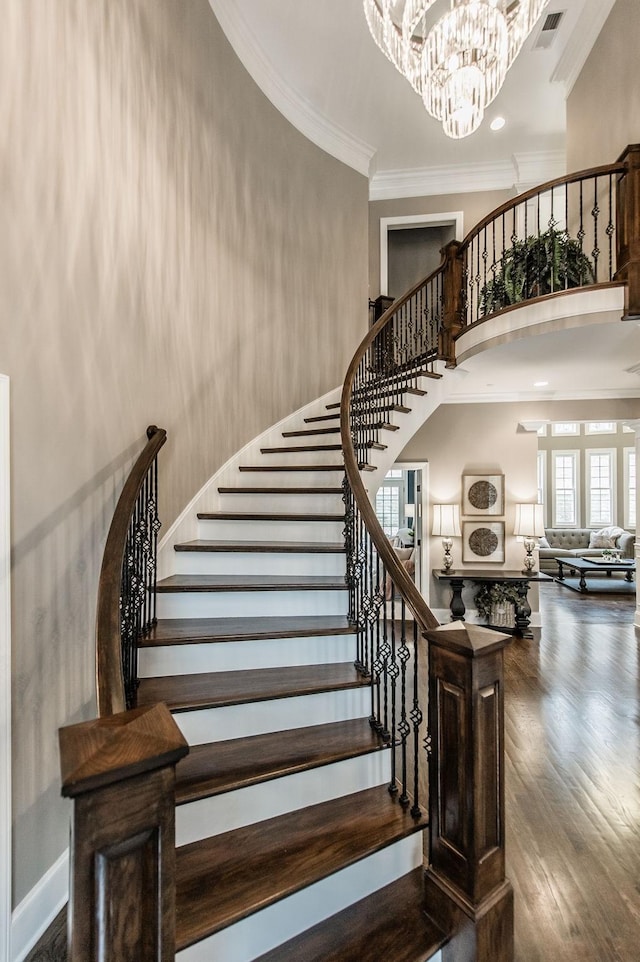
{"x":529,"y":526}
{"x":446,"y":524}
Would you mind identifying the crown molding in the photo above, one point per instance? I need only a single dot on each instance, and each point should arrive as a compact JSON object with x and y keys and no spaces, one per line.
{"x":534,"y":167}
{"x":580,"y":44}
{"x":330,"y":137}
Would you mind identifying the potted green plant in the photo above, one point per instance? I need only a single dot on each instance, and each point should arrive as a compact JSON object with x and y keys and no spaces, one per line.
{"x":551,"y":261}
{"x":491,"y":600}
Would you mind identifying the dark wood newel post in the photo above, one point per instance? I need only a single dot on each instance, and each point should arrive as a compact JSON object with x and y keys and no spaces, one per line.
{"x":465,"y":881}
{"x":120,"y":773}
{"x":628,"y":233}
{"x":452,"y":317}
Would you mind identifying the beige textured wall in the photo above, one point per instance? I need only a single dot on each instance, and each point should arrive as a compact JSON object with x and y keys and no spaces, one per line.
{"x":603,"y":109}
{"x":173,"y":252}
{"x":474,"y":206}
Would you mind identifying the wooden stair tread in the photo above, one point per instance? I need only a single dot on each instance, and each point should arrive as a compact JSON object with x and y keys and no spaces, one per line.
{"x":415,"y":391}
{"x":379,"y":408}
{"x":223,"y":879}
{"x":225,"y":766}
{"x":389,"y":924}
{"x":179,"y":583}
{"x":263,"y":547}
{"x":295,"y":449}
{"x":194,"y":631}
{"x":322,"y":417}
{"x":262,"y":516}
{"x":281,"y":490}
{"x":291,"y":467}
{"x":221,"y":688}
{"x":310,"y":432}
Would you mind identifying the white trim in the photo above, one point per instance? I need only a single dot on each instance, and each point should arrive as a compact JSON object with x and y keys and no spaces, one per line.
{"x":5,"y":673}
{"x":39,"y":908}
{"x":627,"y":493}
{"x":406,"y":222}
{"x":332,"y":138}
{"x":534,"y":166}
{"x":574,"y":57}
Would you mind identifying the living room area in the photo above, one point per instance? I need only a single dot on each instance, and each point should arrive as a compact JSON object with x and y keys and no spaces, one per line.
{"x":575,"y":458}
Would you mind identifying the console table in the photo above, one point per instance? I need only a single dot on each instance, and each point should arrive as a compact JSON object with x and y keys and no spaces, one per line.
{"x":522,"y":609}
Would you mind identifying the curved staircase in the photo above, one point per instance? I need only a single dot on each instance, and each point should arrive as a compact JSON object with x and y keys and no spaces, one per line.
{"x":284,"y":817}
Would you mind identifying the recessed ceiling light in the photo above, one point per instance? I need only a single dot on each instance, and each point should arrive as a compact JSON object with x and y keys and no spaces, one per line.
{"x":497,"y":123}
{"x":540,"y":383}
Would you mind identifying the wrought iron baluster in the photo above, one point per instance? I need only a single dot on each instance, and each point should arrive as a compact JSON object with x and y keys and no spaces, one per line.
{"x":595,"y":211}
{"x":393,"y":672}
{"x":417,"y":717}
{"x":404,"y":729}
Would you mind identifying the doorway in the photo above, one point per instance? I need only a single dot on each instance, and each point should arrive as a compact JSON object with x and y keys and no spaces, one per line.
{"x":410,"y":247}
{"x":400,"y":510}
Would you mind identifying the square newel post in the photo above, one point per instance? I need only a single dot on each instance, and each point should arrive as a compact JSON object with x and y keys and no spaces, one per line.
{"x":628,"y":232}
{"x":465,"y":881}
{"x":120,"y":773}
{"x":452,"y":319}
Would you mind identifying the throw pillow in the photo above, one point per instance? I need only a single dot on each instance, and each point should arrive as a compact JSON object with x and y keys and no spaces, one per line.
{"x":543,"y":543}
{"x":599,"y":540}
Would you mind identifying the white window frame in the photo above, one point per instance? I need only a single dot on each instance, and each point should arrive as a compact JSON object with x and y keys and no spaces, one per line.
{"x":611,"y":454}
{"x":630,"y":492}
{"x":542,"y":483}
{"x":575,"y":456}
{"x":601,"y":427}
{"x":565,"y":429}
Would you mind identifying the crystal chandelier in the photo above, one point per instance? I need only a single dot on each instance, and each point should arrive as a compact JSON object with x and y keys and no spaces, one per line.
{"x":457,"y":64}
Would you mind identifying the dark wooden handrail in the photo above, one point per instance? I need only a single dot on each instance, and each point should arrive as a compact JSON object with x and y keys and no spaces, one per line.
{"x":109,"y":670}
{"x":402,"y":581}
{"x":587,"y":174}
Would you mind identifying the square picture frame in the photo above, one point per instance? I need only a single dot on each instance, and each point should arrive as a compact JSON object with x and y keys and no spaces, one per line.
{"x":483,"y":542}
{"x":483,"y":494}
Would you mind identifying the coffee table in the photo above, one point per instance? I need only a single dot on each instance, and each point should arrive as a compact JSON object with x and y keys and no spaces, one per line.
{"x":585,"y":567}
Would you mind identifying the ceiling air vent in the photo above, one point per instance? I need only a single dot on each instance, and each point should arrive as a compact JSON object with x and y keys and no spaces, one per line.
{"x":548,"y":31}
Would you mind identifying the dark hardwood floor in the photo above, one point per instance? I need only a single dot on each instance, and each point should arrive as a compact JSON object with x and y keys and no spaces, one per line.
{"x":572,"y":783}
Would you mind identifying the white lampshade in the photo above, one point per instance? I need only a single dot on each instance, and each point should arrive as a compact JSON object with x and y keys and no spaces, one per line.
{"x":446,"y":520}
{"x":409,"y":510}
{"x":529,"y":521}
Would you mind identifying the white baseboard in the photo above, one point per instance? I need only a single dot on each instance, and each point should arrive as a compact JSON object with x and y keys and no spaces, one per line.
{"x":39,"y":908}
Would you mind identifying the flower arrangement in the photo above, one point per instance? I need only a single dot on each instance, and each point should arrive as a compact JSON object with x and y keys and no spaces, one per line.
{"x":489,"y":595}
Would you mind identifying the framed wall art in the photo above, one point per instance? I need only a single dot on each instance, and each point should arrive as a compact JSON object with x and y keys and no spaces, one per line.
{"x":483,"y":494}
{"x":483,"y":542}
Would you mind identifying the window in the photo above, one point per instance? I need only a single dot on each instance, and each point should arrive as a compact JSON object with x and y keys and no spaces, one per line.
{"x":630,"y":488}
{"x":563,"y":429}
{"x":601,"y":427}
{"x":601,"y":470}
{"x":565,"y":489}
{"x":389,"y":502}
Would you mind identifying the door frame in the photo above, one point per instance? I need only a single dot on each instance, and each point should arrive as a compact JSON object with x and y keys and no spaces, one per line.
{"x":425,"y":569}
{"x":448,"y":219}
{"x":5,"y":674}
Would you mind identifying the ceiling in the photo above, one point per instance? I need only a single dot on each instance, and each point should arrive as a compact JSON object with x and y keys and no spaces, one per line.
{"x":317,"y":63}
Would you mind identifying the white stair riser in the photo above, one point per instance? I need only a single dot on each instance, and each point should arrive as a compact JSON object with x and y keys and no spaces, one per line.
{"x":264,"y":930}
{"x":291,"y":479}
{"x":259,"y":718}
{"x":258,"y":563}
{"x":291,"y":503}
{"x":300,"y":457}
{"x":245,"y":655}
{"x":256,"y":803}
{"x":248,"y":604}
{"x":227,"y":530}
